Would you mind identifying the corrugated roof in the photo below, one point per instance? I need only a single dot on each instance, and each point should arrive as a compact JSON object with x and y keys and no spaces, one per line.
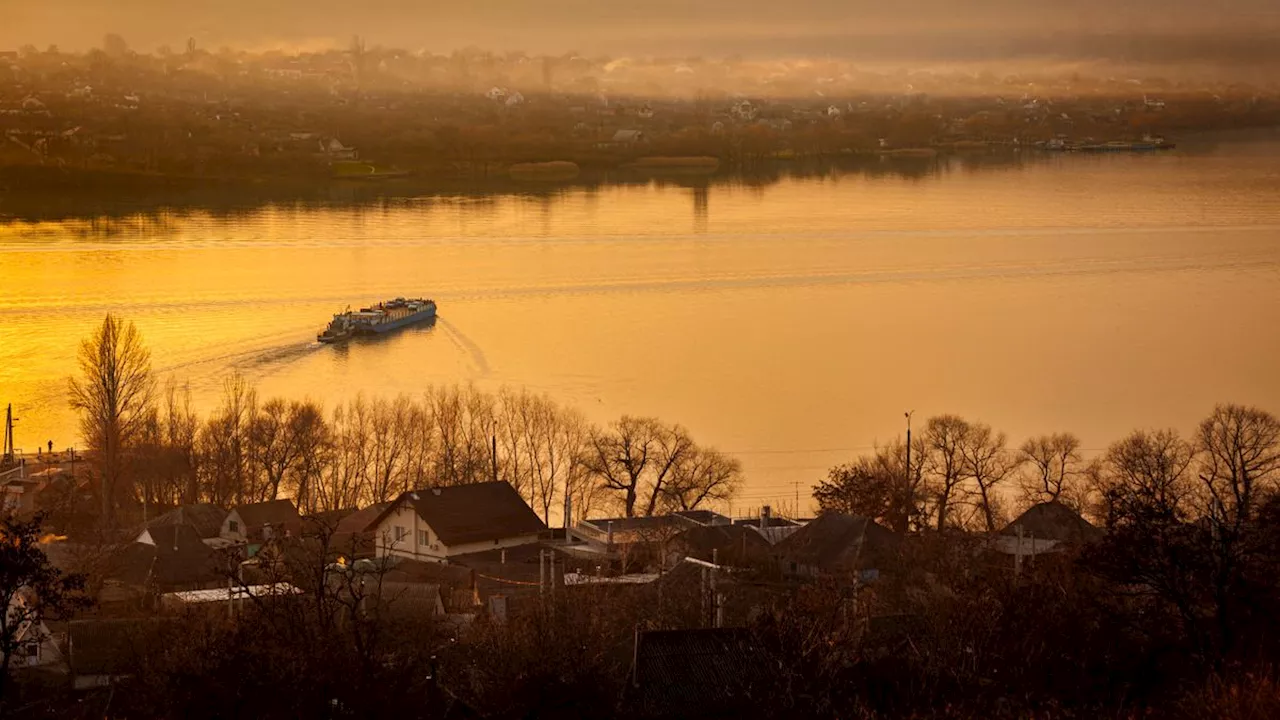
{"x":462,"y":514}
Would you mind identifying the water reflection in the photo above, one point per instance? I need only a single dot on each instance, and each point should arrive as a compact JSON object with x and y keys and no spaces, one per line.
{"x":109,"y":212}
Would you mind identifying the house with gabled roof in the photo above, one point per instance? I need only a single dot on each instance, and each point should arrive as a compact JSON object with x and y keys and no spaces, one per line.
{"x":257,"y":522}
{"x":434,"y":524}
{"x":837,"y":544}
{"x":205,"y":518}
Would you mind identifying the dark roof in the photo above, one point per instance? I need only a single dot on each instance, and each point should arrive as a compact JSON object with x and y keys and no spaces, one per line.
{"x":472,"y":513}
{"x":704,"y":517}
{"x":774,"y":521}
{"x":274,"y":512}
{"x":104,"y":647}
{"x":362,"y":520}
{"x":326,"y":521}
{"x":205,"y":518}
{"x":519,"y":574}
{"x":178,"y":559}
{"x":737,"y":545}
{"x":1053,"y":521}
{"x":834,"y":542}
{"x":406,"y":600}
{"x":708,"y":672}
{"x":629,"y":524}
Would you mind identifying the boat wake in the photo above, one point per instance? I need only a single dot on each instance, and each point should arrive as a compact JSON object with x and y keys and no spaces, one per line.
{"x":466,"y":344}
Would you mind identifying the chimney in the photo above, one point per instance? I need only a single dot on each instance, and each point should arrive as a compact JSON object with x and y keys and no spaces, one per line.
{"x":609,"y":537}
{"x":764,"y":516}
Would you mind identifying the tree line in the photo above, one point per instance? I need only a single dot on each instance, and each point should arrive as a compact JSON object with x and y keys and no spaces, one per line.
{"x":149,"y":446}
{"x":961,"y":474}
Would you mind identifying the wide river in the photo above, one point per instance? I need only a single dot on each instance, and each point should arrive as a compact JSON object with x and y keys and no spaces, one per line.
{"x":791,"y":324}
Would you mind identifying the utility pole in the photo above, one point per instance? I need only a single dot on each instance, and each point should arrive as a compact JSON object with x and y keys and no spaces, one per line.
{"x":493,"y":453}
{"x":9,"y":451}
{"x":797,"y":510}
{"x":908,"y":414}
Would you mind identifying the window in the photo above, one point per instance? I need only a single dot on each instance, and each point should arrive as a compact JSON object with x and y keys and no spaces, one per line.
{"x":401,"y":533}
{"x":233,"y":526}
{"x":424,"y":537}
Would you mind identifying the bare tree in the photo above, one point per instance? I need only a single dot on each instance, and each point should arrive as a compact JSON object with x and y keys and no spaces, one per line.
{"x":700,"y":476}
{"x":879,"y":486}
{"x":674,"y":448}
{"x":987,"y":462}
{"x":943,"y":463}
{"x":1239,"y":450}
{"x":224,"y":445}
{"x":1145,"y":475}
{"x":113,"y":396}
{"x":634,"y":458}
{"x":182,"y":426}
{"x":1053,"y":463}
{"x":389,"y":447}
{"x":620,"y":455}
{"x":279,"y":436}
{"x":554,"y":445}
{"x":314,"y":440}
{"x":464,"y":425}
{"x":343,"y":480}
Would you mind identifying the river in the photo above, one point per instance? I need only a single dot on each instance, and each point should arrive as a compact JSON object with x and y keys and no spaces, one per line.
{"x":789,"y":323}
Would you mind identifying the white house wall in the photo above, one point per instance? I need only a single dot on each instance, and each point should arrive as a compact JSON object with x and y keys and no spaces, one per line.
{"x":405,"y":516}
{"x":238,"y":535}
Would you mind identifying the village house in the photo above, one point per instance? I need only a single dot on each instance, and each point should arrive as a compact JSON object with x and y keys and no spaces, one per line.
{"x":436,"y":524}
{"x":258,"y":522}
{"x":837,"y":544}
{"x":204,"y":518}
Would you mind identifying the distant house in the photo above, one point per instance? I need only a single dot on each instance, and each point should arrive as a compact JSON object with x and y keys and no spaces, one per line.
{"x":35,"y":645}
{"x":205,"y":518}
{"x":165,"y":558}
{"x":257,"y":522}
{"x":354,"y":535}
{"x":703,"y":673}
{"x":1045,"y":527}
{"x":628,"y":138}
{"x":733,"y":545}
{"x":834,"y":543}
{"x":439,"y":523}
{"x":335,"y":150}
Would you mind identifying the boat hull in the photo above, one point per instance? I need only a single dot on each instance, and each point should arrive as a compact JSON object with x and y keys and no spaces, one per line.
{"x":389,"y":325}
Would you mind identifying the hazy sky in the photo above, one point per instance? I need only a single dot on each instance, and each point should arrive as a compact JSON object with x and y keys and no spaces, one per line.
{"x":938,"y":29}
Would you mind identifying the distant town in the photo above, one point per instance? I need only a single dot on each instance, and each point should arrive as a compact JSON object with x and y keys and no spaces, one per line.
{"x":116,"y":117}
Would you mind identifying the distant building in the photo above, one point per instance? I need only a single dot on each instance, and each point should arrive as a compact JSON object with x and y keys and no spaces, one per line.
{"x":837,"y":544}
{"x":258,"y":522}
{"x":204,"y":518}
{"x":1046,"y":527}
{"x":628,"y":138}
{"x":435,"y":524}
